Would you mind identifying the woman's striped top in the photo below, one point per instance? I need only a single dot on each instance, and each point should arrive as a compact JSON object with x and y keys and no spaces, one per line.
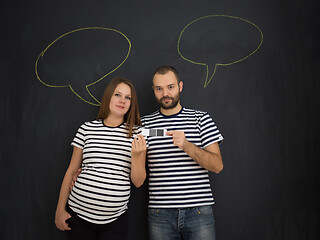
{"x":102,"y":190}
{"x":176,"y":180}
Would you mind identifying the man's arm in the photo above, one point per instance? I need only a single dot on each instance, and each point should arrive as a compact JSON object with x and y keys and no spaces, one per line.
{"x":208,"y":158}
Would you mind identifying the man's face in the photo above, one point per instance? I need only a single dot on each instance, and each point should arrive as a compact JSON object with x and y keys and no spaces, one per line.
{"x":167,"y":90}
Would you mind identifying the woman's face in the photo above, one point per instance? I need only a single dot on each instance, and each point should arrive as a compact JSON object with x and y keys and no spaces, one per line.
{"x":121,"y":100}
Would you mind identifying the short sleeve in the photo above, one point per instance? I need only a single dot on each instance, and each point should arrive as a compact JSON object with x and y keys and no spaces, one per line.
{"x":79,"y":139}
{"x":209,"y":132}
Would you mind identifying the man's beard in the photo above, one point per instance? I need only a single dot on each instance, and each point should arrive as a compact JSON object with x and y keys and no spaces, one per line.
{"x":173,"y":104}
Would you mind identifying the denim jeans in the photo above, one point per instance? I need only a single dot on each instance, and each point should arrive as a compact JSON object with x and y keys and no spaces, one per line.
{"x":195,"y":223}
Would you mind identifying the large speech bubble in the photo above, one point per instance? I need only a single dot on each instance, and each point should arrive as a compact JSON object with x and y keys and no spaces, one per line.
{"x":218,"y":40}
{"x":81,"y":58}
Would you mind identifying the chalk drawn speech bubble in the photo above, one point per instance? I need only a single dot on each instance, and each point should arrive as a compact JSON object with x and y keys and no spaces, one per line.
{"x":81,"y":58}
{"x":218,"y":40}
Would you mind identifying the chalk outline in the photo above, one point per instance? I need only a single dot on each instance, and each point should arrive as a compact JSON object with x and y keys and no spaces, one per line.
{"x":69,"y":85}
{"x":217,"y":64}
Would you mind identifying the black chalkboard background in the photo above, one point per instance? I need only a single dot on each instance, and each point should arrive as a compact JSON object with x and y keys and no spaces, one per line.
{"x":266,"y":106}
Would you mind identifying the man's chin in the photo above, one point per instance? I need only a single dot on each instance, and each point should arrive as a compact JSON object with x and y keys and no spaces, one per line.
{"x":167,"y":106}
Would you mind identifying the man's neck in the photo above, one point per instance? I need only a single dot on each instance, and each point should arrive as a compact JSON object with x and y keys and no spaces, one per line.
{"x":171,"y":111}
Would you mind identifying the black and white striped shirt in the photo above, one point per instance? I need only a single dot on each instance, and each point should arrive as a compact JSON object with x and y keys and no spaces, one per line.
{"x":176,"y":180}
{"x":102,"y":190}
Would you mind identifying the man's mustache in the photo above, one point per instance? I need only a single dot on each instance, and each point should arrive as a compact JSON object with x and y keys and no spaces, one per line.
{"x":166,"y":98}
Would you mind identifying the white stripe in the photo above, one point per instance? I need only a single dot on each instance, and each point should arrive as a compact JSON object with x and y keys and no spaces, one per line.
{"x":157,"y":197}
{"x":194,"y":187}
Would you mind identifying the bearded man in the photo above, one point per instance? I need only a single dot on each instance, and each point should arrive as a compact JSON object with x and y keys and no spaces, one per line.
{"x":180,"y":196}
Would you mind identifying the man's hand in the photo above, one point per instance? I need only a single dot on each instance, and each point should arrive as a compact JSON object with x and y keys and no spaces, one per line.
{"x":74,"y":179}
{"x":179,"y":138}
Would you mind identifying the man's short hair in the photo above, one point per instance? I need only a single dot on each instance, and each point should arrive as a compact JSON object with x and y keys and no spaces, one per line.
{"x":165,"y":69}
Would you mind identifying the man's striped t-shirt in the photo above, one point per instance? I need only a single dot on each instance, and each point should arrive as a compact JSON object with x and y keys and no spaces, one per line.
{"x":102,"y":190}
{"x":176,"y":180}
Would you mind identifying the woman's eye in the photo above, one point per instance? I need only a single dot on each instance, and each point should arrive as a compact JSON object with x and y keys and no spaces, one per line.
{"x":117,"y":95}
{"x":128,"y":98}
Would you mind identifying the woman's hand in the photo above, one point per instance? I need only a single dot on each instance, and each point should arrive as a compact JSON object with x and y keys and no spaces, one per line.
{"x":139,"y":146}
{"x":74,"y":179}
{"x":138,"y":160}
{"x":60,"y":221}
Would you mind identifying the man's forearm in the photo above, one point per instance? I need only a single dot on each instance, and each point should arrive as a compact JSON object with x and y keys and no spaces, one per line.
{"x":208,"y":160}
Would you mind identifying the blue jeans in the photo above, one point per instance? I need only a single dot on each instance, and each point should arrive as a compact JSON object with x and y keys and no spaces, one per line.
{"x":195,"y":223}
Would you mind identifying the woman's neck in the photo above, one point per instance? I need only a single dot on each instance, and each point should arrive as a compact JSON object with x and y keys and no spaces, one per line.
{"x":113,"y":121}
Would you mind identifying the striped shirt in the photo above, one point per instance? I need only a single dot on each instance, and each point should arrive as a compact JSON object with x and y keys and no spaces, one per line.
{"x":176,"y":180}
{"x":102,"y":190}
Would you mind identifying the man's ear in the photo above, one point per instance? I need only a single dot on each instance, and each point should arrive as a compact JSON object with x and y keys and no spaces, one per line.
{"x":180,"y":86}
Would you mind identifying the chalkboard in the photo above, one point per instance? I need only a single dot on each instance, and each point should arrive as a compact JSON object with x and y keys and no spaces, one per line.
{"x":253,"y":65}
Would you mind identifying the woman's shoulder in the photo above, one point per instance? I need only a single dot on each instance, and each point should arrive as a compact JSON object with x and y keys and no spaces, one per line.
{"x":134,"y":127}
{"x":137,"y":127}
{"x":92,"y":124}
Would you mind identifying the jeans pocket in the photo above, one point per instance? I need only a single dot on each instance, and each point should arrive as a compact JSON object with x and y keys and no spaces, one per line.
{"x":154,"y":212}
{"x":204,"y":210}
{"x":68,"y":220}
{"x":74,"y":220}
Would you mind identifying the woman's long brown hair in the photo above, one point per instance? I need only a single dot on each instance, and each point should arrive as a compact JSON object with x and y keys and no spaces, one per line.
{"x":132,"y":117}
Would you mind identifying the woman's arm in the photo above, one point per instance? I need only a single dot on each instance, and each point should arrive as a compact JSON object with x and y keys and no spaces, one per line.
{"x":61,"y":214}
{"x":138,"y":161}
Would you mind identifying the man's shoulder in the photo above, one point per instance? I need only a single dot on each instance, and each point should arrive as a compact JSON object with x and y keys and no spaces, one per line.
{"x":150,"y":116}
{"x":198,"y":113}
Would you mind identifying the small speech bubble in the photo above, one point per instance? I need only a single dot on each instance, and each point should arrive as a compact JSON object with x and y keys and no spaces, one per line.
{"x":218,"y":40}
{"x":81,"y":58}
